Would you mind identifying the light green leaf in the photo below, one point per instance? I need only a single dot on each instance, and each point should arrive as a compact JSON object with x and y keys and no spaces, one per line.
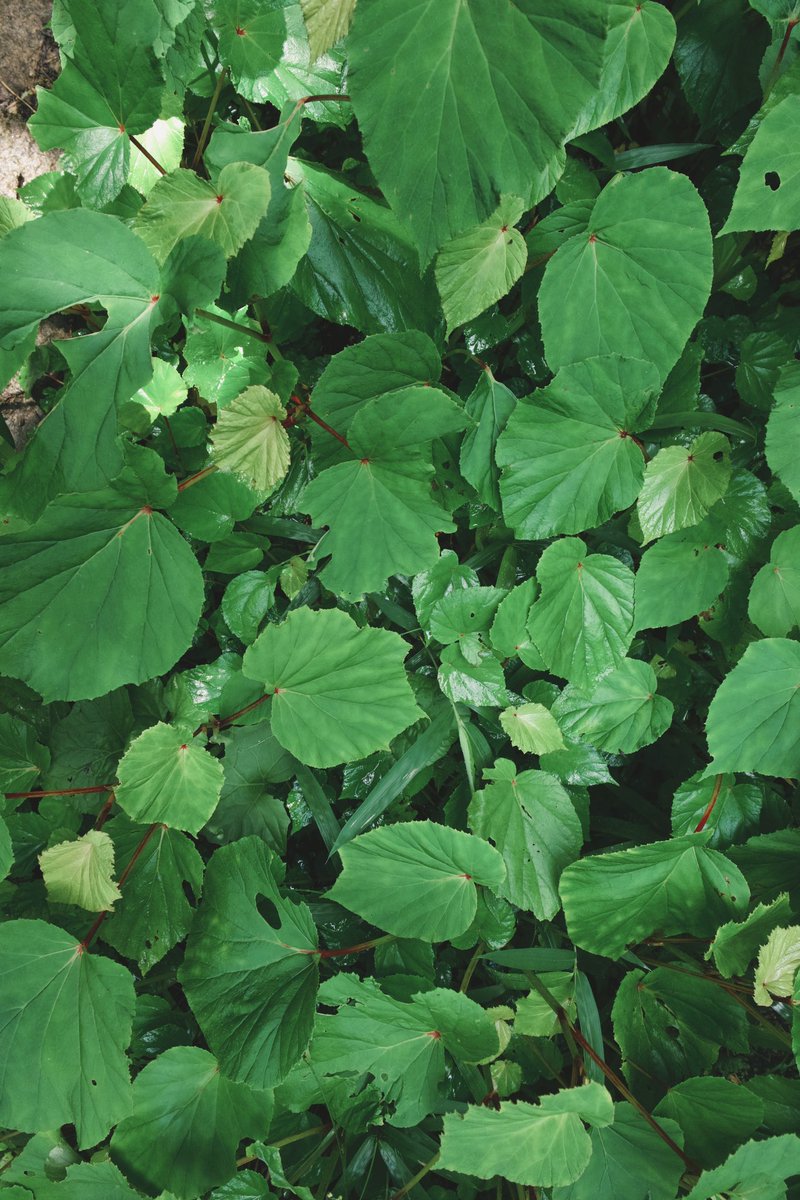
{"x":733,"y":815}
{"x":164,"y":140}
{"x":620,"y":714}
{"x":567,"y":458}
{"x":480,"y":125}
{"x":774,"y":604}
{"x":251,"y":980}
{"x":509,"y":633}
{"x":538,"y":1145}
{"x":782,"y":444}
{"x":477,"y":681}
{"x":778,"y":962}
{"x":702,"y":569}
{"x":155,"y":913}
{"x":766,"y":197}
{"x":182,"y":204}
{"x":163,"y":777}
{"x":327,"y":22}
{"x":164,"y":393}
{"x":477,"y":268}
{"x":402,"y":1045}
{"x":338,"y":692}
{"x":80,"y":872}
{"x":530,"y":818}
{"x":221,"y":361}
{"x":186,"y":1124}
{"x":757,"y":1170}
{"x":614,"y":900}
{"x":535,"y":1017}
{"x":22,"y":758}
{"x":715,"y":1116}
{"x":249,"y":439}
{"x":251,"y":38}
{"x":65,"y":1016}
{"x":101,"y":591}
{"x":736,"y":942}
{"x":532,"y":728}
{"x":629,"y":1162}
{"x":489,"y":406}
{"x":294,"y":577}
{"x":582,"y":623}
{"x":682,"y":483}
{"x":417,"y":879}
{"x":637,"y":280}
{"x":753,"y":717}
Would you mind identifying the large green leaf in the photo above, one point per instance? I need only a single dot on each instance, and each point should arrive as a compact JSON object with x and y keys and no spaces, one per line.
{"x":479,"y":267}
{"x":338,"y":692}
{"x":186,"y":1123}
{"x":614,"y":900}
{"x":766,"y":197}
{"x":682,"y":483}
{"x":753,"y":717}
{"x":101,"y":591}
{"x":582,"y":623}
{"x":251,"y":37}
{"x":774,"y":604}
{"x":637,"y":280}
{"x":569,"y":462}
{"x":163,"y":777}
{"x":479,"y":122}
{"x":715,"y":1115}
{"x":402,"y":1045}
{"x":531,"y":820}
{"x":417,"y":879}
{"x":379,"y":506}
{"x":629,"y":1161}
{"x":250,"y":969}
{"x":65,"y":1022}
{"x":621,"y":713}
{"x":702,"y":569}
{"x":538,"y":1145}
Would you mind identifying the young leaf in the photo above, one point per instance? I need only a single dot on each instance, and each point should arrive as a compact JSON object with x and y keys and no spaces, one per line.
{"x":532,"y":821}
{"x":638,"y":280}
{"x":479,"y":267}
{"x":582,"y":623}
{"x":613,"y":900}
{"x":327,"y":22}
{"x":620,"y":714}
{"x":338,"y":692}
{"x":778,"y":962}
{"x":433,"y":871}
{"x":736,"y":942}
{"x":532,"y":728}
{"x":774,"y":604}
{"x":162,"y":777}
{"x":71,"y":1012}
{"x":253,"y":996}
{"x":567,"y":458}
{"x":249,"y":440}
{"x":80,"y":872}
{"x":681,"y":485}
{"x":752,"y":719}
{"x":542,"y":1145}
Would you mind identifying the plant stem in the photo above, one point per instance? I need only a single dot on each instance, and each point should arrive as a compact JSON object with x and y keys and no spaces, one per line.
{"x":710,"y":805}
{"x":471,"y":965}
{"x":415,"y":1179}
{"x":776,"y":66}
{"x":359,"y":948}
{"x":253,"y":333}
{"x":306,"y":408}
{"x":143,"y":150}
{"x":201,"y":145}
{"x":223,"y":721}
{"x":133,"y":859}
{"x":317,"y":1131}
{"x":86,"y":791}
{"x":193,"y":479}
{"x":102,"y":816}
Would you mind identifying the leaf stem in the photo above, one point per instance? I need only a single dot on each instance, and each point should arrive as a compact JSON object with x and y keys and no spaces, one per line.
{"x":306,"y":408}
{"x":201,"y":145}
{"x":193,"y":479}
{"x":471,"y":965}
{"x":85,"y":791}
{"x":359,"y":948}
{"x":711,"y":803}
{"x":317,"y":1131}
{"x":253,"y":333}
{"x":776,"y":66}
{"x":143,"y":150}
{"x":84,"y":945}
{"x":415,"y":1179}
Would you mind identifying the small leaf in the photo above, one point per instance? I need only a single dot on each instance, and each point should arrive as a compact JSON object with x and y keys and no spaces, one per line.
{"x":736,"y":942}
{"x":163,"y":777}
{"x":778,"y":962}
{"x":620,"y":714}
{"x":532,"y":728}
{"x":249,"y":440}
{"x":774,"y":604}
{"x":22,"y":758}
{"x":680,"y":484}
{"x":479,"y":267}
{"x":293,"y":577}
{"x":80,"y":872}
{"x":782,"y":444}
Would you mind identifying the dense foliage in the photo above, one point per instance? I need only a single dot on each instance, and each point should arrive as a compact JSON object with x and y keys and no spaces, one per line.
{"x":399,"y":604}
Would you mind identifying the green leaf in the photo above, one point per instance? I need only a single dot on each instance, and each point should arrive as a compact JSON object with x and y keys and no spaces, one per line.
{"x":774,"y":604}
{"x":327,"y":22}
{"x":245,"y":603}
{"x":638,"y":279}
{"x":582,"y":623}
{"x":535,"y":1017}
{"x":210,"y":508}
{"x":165,"y":778}
{"x":379,"y":506}
{"x":682,"y":483}
{"x":186,"y":1123}
{"x":22,"y":758}
{"x":720,"y":47}
{"x":758,"y":1169}
{"x":249,"y":440}
{"x":489,"y":406}
{"x":733,"y":815}
{"x":155,"y":913}
{"x":338,"y":692}
{"x":567,"y":458}
{"x":114,"y":573}
{"x":67,"y":1013}
{"x":752,"y":718}
{"x":254,"y":763}
{"x":614,"y":900}
{"x":80,"y":872}
{"x":701,"y":568}
{"x":164,"y":393}
{"x":477,"y":681}
{"x":464,"y":613}
{"x":715,"y":1116}
{"x":251,"y":979}
{"x":530,"y":818}
{"x":778,"y":962}
{"x":765,"y":197}
{"x":84,"y":1181}
{"x":221,"y":361}
{"x":226,"y":212}
{"x":736,"y":942}
{"x":782,"y":444}
{"x":620,"y":714}
{"x":251,"y":37}
{"x":509,"y":633}
{"x":479,"y":267}
{"x":402,"y":1045}
{"x":532,"y":728}
{"x":361,"y":267}
{"x":542,"y":1145}
{"x":480,"y":125}
{"x":629,"y":1161}
{"x":433,"y":871}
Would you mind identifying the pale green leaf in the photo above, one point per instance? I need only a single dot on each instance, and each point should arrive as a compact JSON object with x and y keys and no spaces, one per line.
{"x":778,"y":962}
{"x":477,"y":268}
{"x":164,"y":393}
{"x":327,"y":22}
{"x":80,"y":872}
{"x":249,"y":439}
{"x":682,"y":483}
{"x":532,"y":728}
{"x":535,"y":1017}
{"x":251,"y":39}
{"x":736,"y":942}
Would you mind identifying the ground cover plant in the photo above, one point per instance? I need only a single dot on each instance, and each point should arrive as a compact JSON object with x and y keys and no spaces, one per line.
{"x":399,"y":604}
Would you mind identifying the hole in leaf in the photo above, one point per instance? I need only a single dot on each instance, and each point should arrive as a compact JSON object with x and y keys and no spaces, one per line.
{"x":673,"y":1032}
{"x":93,"y":1082}
{"x":267,"y":910}
{"x":718,"y":456}
{"x":773,"y":180}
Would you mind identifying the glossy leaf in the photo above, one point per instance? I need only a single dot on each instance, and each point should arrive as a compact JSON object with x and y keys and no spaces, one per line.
{"x":164,"y":778}
{"x":621,"y":713}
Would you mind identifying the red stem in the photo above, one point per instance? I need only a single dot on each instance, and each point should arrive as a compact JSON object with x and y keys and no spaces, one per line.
{"x":304,"y":405}
{"x":192,"y":479}
{"x":710,"y":805}
{"x":102,"y":816}
{"x":102,"y":916}
{"x":359,"y":948}
{"x":87,"y":791}
{"x":142,"y":150}
{"x":789,"y":27}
